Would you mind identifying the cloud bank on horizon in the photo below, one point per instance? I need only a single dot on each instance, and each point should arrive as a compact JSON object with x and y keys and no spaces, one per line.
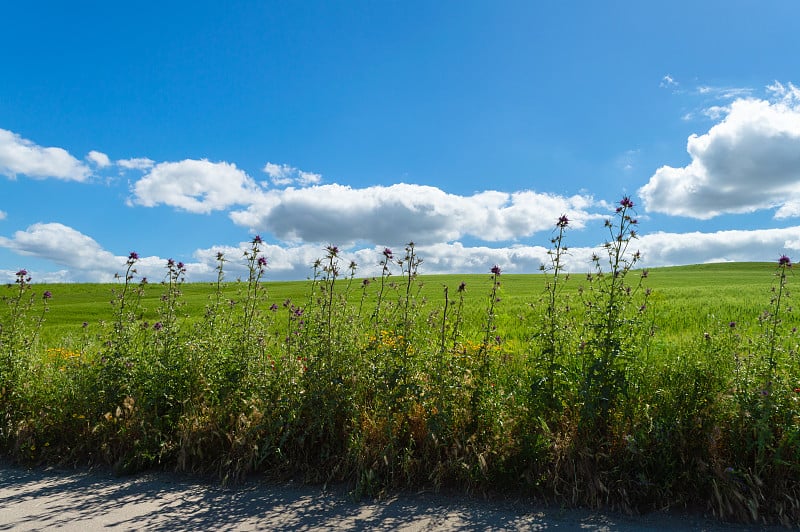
{"x":747,"y":161}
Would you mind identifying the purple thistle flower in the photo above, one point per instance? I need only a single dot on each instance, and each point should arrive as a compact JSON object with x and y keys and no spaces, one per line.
{"x":132,"y":256}
{"x":387,"y":253}
{"x":273,"y":307}
{"x":170,"y":263}
{"x":563,"y":221}
{"x":47,"y":294}
{"x":85,"y":324}
{"x":181,"y":266}
{"x":257,"y":239}
{"x":785,"y":261}
{"x":496,"y":270}
{"x":262,"y":262}
{"x":626,"y":202}
{"x":22,"y":273}
{"x":332,"y":250}
{"x":732,"y":325}
{"x":365,"y":283}
{"x":158,"y":326}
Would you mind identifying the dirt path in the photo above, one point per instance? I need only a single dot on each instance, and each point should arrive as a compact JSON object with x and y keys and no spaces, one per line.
{"x":47,"y":499}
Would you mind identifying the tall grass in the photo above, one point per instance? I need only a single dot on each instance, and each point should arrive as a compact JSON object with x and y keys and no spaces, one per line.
{"x":586,"y":389}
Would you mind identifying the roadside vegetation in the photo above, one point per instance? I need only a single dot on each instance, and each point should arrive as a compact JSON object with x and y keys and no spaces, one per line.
{"x":617,"y":387}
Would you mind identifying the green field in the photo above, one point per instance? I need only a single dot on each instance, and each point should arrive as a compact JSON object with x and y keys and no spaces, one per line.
{"x":687,"y":300}
{"x":639,"y":392}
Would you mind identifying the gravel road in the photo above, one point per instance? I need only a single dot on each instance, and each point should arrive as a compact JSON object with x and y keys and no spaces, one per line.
{"x":81,"y":500}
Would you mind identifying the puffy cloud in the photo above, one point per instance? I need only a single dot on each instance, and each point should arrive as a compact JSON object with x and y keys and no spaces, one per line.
{"x":388,"y":215}
{"x":748,"y":161}
{"x":81,"y":258}
{"x":139,"y":163}
{"x":284,"y":175}
{"x":99,"y":158}
{"x":198,"y":186}
{"x":2,"y":215}
{"x":763,"y":245}
{"x":21,"y":156}
{"x":67,"y":247}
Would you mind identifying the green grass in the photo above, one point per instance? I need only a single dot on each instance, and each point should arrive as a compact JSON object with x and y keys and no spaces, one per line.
{"x":688,"y":300}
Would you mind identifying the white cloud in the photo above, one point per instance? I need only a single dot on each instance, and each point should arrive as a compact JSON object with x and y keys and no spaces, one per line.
{"x":284,"y":175}
{"x":764,"y":245}
{"x":2,"y":215}
{"x":139,"y":163}
{"x":21,"y":156}
{"x":99,"y":158}
{"x":67,"y":247}
{"x":197,"y":186}
{"x":668,"y":81}
{"x":748,"y":161}
{"x":402,"y":212}
{"x":81,"y":258}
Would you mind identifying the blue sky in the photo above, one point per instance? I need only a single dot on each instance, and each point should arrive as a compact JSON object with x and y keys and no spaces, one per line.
{"x":182,"y":129}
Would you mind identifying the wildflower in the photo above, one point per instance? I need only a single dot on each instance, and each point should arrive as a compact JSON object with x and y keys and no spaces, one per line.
{"x":563,"y":221}
{"x":626,"y":202}
{"x":170,"y":263}
{"x":462,"y":286}
{"x":783,"y":261}
{"x":262,"y":262}
{"x":181,"y":267}
{"x":332,"y":250}
{"x":220,"y":256}
{"x":273,"y":307}
{"x":365,"y":283}
{"x":85,"y":324}
{"x":158,"y":326}
{"x":47,"y":294}
{"x":387,"y":253}
{"x":732,"y":325}
{"x":764,"y":393}
{"x":257,"y":239}
{"x":496,"y":270}
{"x":133,"y":256}
{"x":22,"y":273}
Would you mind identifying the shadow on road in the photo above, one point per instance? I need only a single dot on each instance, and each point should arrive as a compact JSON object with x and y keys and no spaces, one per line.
{"x":81,"y":500}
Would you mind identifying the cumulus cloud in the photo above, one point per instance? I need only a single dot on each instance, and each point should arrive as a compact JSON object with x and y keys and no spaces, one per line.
{"x":100,"y":159}
{"x":283,"y":175}
{"x":764,"y":245}
{"x":19,"y":156}
{"x":748,"y":161}
{"x":425,"y":214}
{"x":2,"y":215}
{"x":198,"y":186}
{"x":81,"y":258}
{"x":66,"y":247}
